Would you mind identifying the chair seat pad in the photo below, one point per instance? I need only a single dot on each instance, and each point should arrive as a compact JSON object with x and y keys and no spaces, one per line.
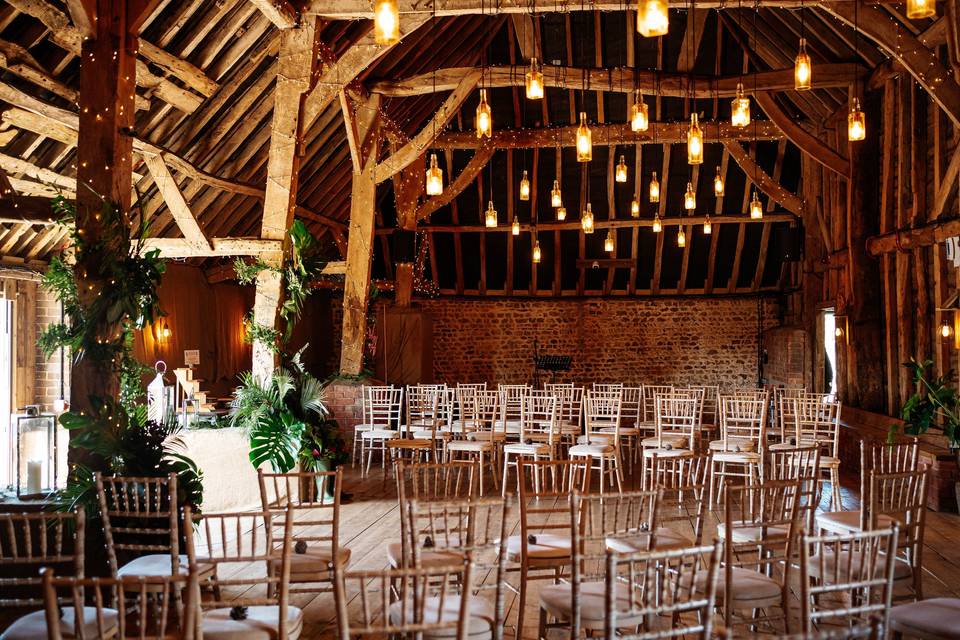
{"x":557,"y":600}
{"x":664,"y":539}
{"x":751,"y":589}
{"x":315,"y":562}
{"x":548,"y":546}
{"x":379,"y":434}
{"x":427,"y":558}
{"x":487,"y":436}
{"x":933,"y":618}
{"x":470,"y":445}
{"x":666,"y":441}
{"x":743,"y":534}
{"x":624,"y":431}
{"x":596,"y":438}
{"x":901,"y":568}
{"x":569,"y":427}
{"x":737,"y":445}
{"x":667,"y":453}
{"x":597,"y":450}
{"x":483,"y":616}
{"x":34,"y":625}
{"x":739,"y":457}
{"x":427,"y":434}
{"x":848,"y":521}
{"x":260,"y":624}
{"x":410,"y":443}
{"x":357,"y":428}
{"x":154,"y":564}
{"x":522,"y":448}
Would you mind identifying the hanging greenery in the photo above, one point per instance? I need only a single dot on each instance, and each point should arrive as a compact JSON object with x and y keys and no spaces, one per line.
{"x":935,"y":404}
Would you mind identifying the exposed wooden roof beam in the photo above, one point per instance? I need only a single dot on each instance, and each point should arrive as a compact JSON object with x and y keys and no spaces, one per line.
{"x":176,"y":203}
{"x":280,"y":12}
{"x":805,"y":141}
{"x":479,"y":160}
{"x":183,"y":248}
{"x":763,"y":181}
{"x":619,"y":80}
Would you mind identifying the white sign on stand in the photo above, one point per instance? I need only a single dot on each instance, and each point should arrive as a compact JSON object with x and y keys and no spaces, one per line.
{"x":952,"y":250}
{"x":191,"y":357}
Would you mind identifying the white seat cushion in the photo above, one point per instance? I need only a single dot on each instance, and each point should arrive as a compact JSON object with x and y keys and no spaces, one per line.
{"x":548,"y":546}
{"x":427,"y":434}
{"x":733,"y":444}
{"x":312,"y":565}
{"x":357,"y":428}
{"x":667,"y":453}
{"x":483,"y":616}
{"x":592,"y":450}
{"x":33,"y":626}
{"x":596,"y":438}
{"x":624,"y":431}
{"x":742,"y":534}
{"x":470,"y":445}
{"x":427,"y":558}
{"x":667,"y":441}
{"x":665,"y":539}
{"x":751,"y":589}
{"x":521,"y":448}
{"x":739,"y":457}
{"x":155,"y":564}
{"x":933,"y":618}
{"x":260,"y":624}
{"x":379,"y":434}
{"x":848,"y":521}
{"x":557,"y":600}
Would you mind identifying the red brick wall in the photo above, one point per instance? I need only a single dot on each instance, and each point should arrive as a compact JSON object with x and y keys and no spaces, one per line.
{"x":678,"y":340}
{"x":786,"y":356}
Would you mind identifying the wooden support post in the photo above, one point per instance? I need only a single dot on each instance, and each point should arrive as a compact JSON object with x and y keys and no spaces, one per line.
{"x":404,"y":290}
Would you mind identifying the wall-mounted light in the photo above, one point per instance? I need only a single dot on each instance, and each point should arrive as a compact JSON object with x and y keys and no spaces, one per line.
{"x":841,"y":330}
{"x":948,"y":319}
{"x":165,"y":331}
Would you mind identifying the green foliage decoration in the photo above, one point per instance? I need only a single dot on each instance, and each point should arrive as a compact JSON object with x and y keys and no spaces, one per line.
{"x":934,"y":405}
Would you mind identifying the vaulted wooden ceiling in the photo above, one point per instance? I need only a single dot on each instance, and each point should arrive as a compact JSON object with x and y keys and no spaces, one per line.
{"x":207,"y":72}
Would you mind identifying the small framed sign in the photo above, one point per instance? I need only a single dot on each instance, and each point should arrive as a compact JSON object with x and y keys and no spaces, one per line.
{"x":191,"y":357}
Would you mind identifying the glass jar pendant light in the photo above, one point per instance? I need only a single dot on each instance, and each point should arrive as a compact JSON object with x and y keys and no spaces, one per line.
{"x":484,"y":116}
{"x":681,"y":237}
{"x":917,"y":9}
{"x":856,"y":122}
{"x":524,"y":186}
{"x":534,"y":81}
{"x":654,"y":188}
{"x":694,"y":141}
{"x":657,"y":227}
{"x":652,"y":18}
{"x":556,"y":198}
{"x":561,"y":213}
{"x":707,"y":226}
{"x":584,"y":140}
{"x":536,"y":252}
{"x":515,"y":227}
{"x":634,"y":208}
{"x":386,"y":22}
{"x":491,"y":215}
{"x":620,"y":175}
{"x":639,"y":114}
{"x":756,"y":208}
{"x":586,"y":219}
{"x":718,"y":184}
{"x":434,"y":177}
{"x":608,"y":245}
{"x":802,"y":69}
{"x":740,"y":108}
{"x":690,"y":198}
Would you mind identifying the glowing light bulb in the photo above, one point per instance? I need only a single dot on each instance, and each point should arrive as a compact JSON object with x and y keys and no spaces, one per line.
{"x":515,"y":227}
{"x":654,"y":188}
{"x":657,"y":227}
{"x":386,"y":22}
{"x":945,"y":330}
{"x":584,"y":140}
{"x":802,"y":69}
{"x":536,"y":252}
{"x":561,"y":213}
{"x":690,"y":198}
{"x":484,"y":117}
{"x":756,"y":209}
{"x":740,"y":108}
{"x":524,"y":186}
{"x":534,"y":81}
{"x":586,"y":219}
{"x":491,"y":215}
{"x":556,"y":198}
{"x":681,"y":237}
{"x":707,"y":226}
{"x":917,"y":9}
{"x":165,"y":332}
{"x":608,"y":242}
{"x":639,"y":114}
{"x":620,"y":175}
{"x":838,"y":332}
{"x":718,"y":184}
{"x":634,"y":208}
{"x":652,"y":18}
{"x":434,"y":177}
{"x":856,"y":122}
{"x":694,"y":141}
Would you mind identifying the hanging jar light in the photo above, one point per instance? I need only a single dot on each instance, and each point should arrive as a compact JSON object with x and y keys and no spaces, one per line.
{"x":434,"y":177}
{"x":681,"y":237}
{"x":561,"y":213}
{"x":756,"y":208}
{"x":524,"y":186}
{"x":536,"y":252}
{"x":652,"y":18}
{"x":586,"y":219}
{"x":620,"y":175}
{"x":802,"y":69}
{"x":584,"y":140}
{"x":556,"y":198}
{"x":534,"y":81}
{"x":707,"y":226}
{"x":690,"y":198}
{"x":657,"y":226}
{"x":608,"y":245}
{"x":740,"y":108}
{"x":694,"y":141}
{"x":639,"y":114}
{"x":634,"y":208}
{"x":386,"y":22}
{"x":917,"y":9}
{"x":856,"y":122}
{"x":654,"y":188}
{"x":491,"y":215}
{"x":718,"y":184}
{"x":515,"y":227}
{"x":484,"y":117}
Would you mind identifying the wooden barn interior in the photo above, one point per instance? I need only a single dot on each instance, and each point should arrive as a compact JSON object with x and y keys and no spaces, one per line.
{"x":456,"y":318}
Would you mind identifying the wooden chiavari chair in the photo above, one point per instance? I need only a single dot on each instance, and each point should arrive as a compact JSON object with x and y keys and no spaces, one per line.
{"x":144,"y":613}
{"x":599,"y":448}
{"x":229,"y":542}
{"x":847,"y":577}
{"x":382,"y":408}
{"x":420,"y":428}
{"x":676,"y":423}
{"x":683,"y":485}
{"x":596,"y":523}
{"x":817,"y":422}
{"x":511,"y":406}
{"x":543,"y":548}
{"x":464,"y":419}
{"x":539,"y":433}
{"x":372,"y":419}
{"x":798,"y":464}
{"x":608,"y":387}
{"x":670,"y":593}
{"x":432,"y":602}
{"x":29,"y":542}
{"x":476,"y":529}
{"x":314,"y":501}
{"x":783,"y":411}
{"x":481,"y":439}
{"x":710,"y":414}
{"x":570,"y":411}
{"x":631,"y":410}
{"x":650,"y":393}
{"x":743,"y":427}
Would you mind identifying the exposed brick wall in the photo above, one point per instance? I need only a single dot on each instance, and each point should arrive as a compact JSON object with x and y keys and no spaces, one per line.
{"x":678,"y":340}
{"x":47,"y":385}
{"x":786,"y":356}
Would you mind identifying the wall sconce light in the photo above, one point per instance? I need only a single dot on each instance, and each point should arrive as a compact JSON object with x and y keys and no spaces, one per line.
{"x":841,"y":329}
{"x":165,"y":331}
{"x":948,"y":319}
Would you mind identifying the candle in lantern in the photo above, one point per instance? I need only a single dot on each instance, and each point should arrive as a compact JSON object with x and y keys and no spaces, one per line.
{"x":34,"y":476}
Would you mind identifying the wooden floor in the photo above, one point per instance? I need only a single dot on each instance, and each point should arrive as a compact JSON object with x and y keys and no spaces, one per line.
{"x":371,"y":522}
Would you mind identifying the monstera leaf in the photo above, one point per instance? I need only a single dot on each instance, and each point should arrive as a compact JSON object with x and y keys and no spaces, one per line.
{"x":276,"y":439}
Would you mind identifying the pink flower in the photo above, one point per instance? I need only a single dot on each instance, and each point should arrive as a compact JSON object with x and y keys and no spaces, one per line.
{"x":316,"y":453}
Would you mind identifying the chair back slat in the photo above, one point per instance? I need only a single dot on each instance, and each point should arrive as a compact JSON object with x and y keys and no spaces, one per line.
{"x":382,"y":406}
{"x":817,"y":422}
{"x":650,"y":393}
{"x":540,"y":419}
{"x":31,"y":541}
{"x":743,"y":419}
{"x":602,"y":410}
{"x":677,"y":413}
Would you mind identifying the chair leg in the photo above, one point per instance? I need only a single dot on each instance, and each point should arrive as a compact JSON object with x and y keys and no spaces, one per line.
{"x":506,"y":468}
{"x":713,"y":483}
{"x":602,"y":478}
{"x":618,"y":471}
{"x":522,"y":603}
{"x":835,"y":486}
{"x":480,"y":471}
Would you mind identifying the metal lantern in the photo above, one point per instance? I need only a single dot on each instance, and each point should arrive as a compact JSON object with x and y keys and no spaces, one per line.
{"x":36,"y":449}
{"x":161,"y":401}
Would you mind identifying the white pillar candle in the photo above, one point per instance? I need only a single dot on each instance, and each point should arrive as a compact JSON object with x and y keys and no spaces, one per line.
{"x":34,"y":476}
